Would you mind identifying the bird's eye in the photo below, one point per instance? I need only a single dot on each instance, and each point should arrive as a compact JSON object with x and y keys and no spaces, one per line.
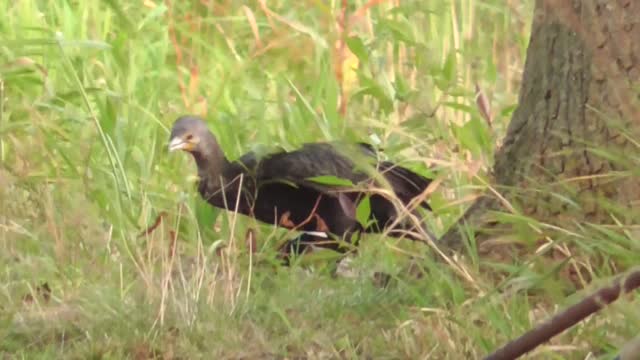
{"x":189,"y":137}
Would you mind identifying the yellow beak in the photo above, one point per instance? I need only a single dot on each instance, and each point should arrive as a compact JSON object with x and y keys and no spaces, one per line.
{"x":179,"y":144}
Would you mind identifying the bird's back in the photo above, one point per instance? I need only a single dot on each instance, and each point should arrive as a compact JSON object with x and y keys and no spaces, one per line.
{"x":313,"y":160}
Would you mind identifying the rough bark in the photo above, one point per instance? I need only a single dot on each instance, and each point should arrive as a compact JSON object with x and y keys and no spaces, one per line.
{"x":571,"y":152}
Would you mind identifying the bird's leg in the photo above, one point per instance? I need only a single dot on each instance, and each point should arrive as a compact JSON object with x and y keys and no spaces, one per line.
{"x":321,"y":237}
{"x":314,"y":239}
{"x":307,"y":239}
{"x":301,"y":244}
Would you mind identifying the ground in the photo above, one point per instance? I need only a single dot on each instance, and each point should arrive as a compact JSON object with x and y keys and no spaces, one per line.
{"x":88,"y":93}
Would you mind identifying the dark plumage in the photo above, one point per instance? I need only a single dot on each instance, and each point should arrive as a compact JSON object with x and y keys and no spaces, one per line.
{"x":277,"y":188}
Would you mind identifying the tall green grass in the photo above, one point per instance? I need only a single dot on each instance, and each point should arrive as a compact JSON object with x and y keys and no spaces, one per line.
{"x":89,"y":91}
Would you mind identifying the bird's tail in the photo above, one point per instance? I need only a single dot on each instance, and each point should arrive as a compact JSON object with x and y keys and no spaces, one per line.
{"x":406,"y":183}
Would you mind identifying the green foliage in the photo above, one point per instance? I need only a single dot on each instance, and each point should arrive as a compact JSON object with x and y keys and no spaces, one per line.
{"x":88,"y":93}
{"x":330,"y":180}
{"x":363,"y":211}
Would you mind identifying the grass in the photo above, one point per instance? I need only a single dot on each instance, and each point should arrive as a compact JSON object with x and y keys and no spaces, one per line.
{"x":89,"y":90}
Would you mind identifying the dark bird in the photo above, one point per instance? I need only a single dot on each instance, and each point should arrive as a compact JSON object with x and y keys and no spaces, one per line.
{"x":315,"y":189}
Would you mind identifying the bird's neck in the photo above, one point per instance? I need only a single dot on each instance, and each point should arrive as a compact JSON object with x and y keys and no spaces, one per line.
{"x":211,"y":163}
{"x":213,"y":173}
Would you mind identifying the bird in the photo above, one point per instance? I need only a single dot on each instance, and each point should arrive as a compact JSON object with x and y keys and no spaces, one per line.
{"x":315,"y":189}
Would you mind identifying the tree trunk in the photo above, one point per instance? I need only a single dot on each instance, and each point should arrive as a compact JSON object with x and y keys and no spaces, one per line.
{"x":572,"y":150}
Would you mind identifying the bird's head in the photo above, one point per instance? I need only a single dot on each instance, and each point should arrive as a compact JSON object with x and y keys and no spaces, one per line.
{"x":190,"y":134}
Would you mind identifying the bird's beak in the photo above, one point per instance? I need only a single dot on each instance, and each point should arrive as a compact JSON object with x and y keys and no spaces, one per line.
{"x":178,"y":144}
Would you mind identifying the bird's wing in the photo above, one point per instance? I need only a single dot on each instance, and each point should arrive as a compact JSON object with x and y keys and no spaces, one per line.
{"x":406,"y":183}
{"x":288,"y":180}
{"x":305,"y":166}
{"x":310,"y":166}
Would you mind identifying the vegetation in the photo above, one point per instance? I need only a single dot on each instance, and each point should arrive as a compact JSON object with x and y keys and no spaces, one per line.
{"x":88,"y":92}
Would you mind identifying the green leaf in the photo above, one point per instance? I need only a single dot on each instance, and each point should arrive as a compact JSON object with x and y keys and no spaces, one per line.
{"x":449,"y":68}
{"x":400,"y":30}
{"x":357,"y":47}
{"x":371,"y":87}
{"x":403,"y":90}
{"x":155,"y":13}
{"x":474,"y":136}
{"x":331,"y":102}
{"x":420,"y":169}
{"x":363,"y":211}
{"x":508,"y":110}
{"x":122,"y":14}
{"x":457,"y":106}
{"x":330,"y":180}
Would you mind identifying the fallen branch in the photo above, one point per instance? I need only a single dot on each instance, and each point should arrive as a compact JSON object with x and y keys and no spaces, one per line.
{"x":568,"y":318}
